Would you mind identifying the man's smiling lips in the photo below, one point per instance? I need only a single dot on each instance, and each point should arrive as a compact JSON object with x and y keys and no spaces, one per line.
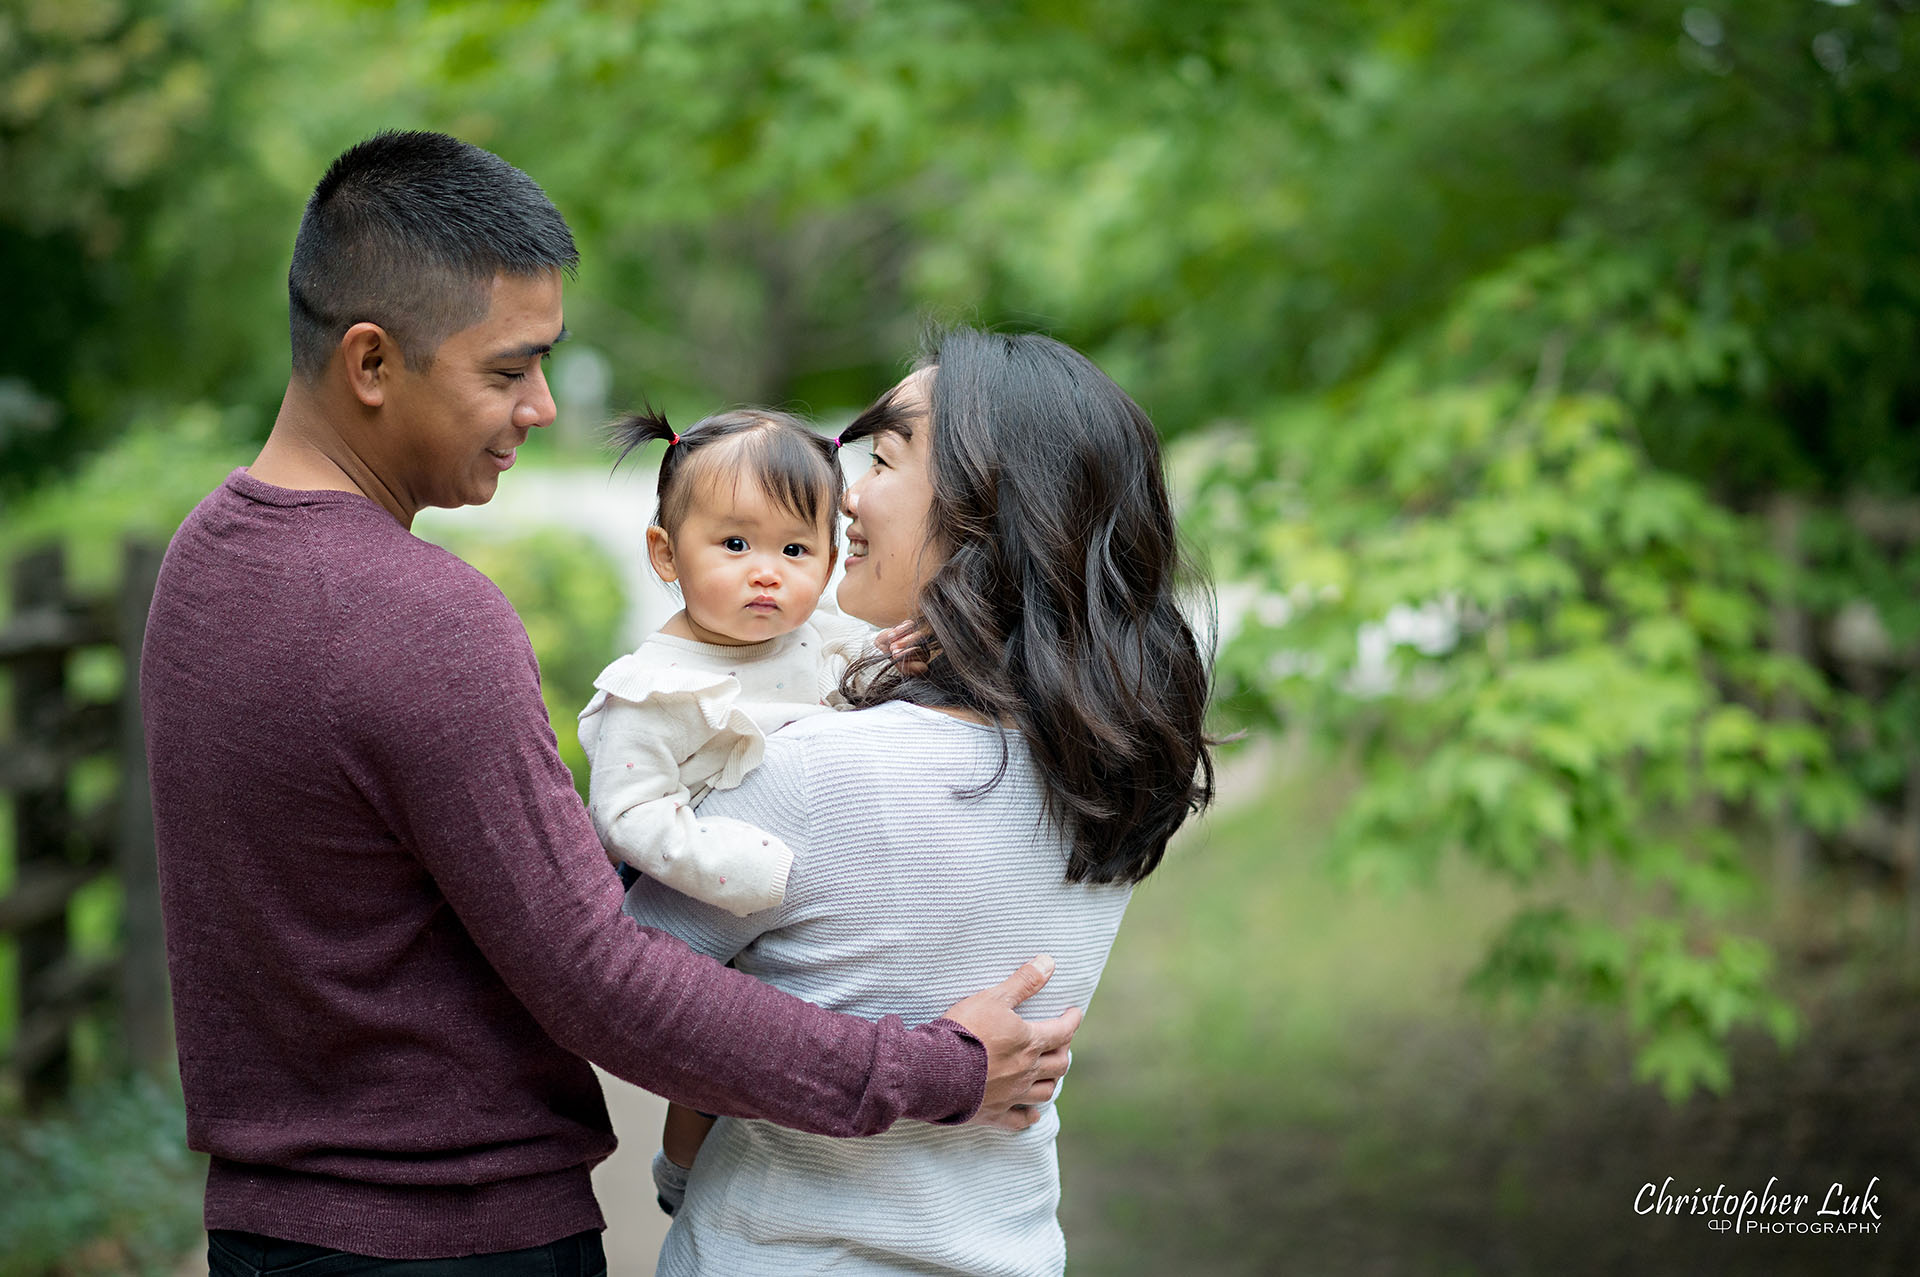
{"x":511,"y":451}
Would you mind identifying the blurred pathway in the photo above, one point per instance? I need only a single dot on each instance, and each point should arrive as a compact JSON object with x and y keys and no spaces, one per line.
{"x":624,"y":1182}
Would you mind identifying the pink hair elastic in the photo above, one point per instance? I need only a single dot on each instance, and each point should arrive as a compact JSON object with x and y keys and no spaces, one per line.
{"x":836,"y":443}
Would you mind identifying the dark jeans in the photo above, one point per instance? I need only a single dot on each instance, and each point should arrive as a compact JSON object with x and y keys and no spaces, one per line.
{"x":231,"y":1254}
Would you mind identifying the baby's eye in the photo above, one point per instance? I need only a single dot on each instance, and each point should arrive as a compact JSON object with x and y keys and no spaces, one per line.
{"x":794,"y":550}
{"x":735,"y":544}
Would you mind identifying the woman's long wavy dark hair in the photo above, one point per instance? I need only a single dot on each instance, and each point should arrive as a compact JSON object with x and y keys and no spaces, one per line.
{"x":1057,"y":606}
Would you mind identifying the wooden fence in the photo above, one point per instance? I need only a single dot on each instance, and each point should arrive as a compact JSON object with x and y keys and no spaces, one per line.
{"x":59,"y":849}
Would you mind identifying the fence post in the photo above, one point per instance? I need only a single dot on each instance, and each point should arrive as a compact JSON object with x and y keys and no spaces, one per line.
{"x":144,"y":1005}
{"x":40,"y":813}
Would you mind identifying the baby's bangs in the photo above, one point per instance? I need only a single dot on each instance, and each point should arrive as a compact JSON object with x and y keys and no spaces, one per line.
{"x":796,"y":470}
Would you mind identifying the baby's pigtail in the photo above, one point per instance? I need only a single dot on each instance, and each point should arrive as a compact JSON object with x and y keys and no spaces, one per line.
{"x":639,"y":428}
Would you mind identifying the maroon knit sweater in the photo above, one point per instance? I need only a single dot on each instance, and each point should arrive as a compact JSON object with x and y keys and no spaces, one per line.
{"x":392,"y":933}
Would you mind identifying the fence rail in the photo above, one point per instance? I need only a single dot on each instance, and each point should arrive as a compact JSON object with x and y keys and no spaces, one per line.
{"x":59,"y":850}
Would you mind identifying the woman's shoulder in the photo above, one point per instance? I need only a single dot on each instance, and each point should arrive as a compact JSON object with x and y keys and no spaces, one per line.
{"x":875,"y":729}
{"x":886,"y":746}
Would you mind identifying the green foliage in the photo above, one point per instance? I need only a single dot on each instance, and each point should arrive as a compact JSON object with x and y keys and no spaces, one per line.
{"x":142,"y":485}
{"x":1222,"y":203}
{"x":1682,"y":994}
{"x":569,"y":596}
{"x":1529,"y":503}
{"x":126,"y":170}
{"x":1561,"y":665}
{"x":106,"y":1191}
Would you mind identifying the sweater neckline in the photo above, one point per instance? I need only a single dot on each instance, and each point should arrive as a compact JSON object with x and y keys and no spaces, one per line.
{"x":729,"y":652}
{"x":243,"y":483}
{"x":927,"y":711}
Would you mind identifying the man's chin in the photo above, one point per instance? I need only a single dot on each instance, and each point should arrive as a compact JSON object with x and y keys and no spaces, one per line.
{"x":481,"y":492}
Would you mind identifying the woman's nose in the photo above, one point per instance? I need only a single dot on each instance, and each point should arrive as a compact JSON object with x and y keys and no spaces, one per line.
{"x":850,"y":500}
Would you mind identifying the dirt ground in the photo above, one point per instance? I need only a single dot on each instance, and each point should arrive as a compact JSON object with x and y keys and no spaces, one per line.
{"x":1446,"y":1161}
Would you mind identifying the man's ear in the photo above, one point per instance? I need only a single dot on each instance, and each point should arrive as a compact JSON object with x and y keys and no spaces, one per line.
{"x":369,"y":355}
{"x":660,"y":554}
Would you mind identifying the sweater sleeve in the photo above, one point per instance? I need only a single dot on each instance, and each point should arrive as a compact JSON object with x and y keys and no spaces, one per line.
{"x":643,"y":737}
{"x":439,"y":699}
{"x":777,"y":792}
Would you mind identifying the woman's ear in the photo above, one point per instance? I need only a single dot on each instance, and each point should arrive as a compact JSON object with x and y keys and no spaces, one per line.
{"x":660,"y":554}
{"x":367,"y":351}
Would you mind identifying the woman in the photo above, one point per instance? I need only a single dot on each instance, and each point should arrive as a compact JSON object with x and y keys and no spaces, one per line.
{"x":997,"y":793}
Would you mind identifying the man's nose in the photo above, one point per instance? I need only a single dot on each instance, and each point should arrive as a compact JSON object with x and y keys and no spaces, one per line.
{"x":537,"y":408}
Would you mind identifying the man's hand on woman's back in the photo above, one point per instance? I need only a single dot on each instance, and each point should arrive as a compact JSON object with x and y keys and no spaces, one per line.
{"x":1025,"y":1058}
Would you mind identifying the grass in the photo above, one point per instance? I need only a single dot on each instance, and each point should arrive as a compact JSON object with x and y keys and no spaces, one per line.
{"x":1281,"y":1075}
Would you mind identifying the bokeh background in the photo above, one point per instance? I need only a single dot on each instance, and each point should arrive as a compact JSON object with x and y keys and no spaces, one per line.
{"x":1540,"y":382}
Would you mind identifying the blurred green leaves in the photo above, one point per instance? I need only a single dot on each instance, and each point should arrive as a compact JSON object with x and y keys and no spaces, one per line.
{"x":1547,"y":655}
{"x":107,"y":1191}
{"x":1527,"y":582}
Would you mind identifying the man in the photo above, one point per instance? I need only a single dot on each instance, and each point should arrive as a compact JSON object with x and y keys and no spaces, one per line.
{"x":392,"y":934}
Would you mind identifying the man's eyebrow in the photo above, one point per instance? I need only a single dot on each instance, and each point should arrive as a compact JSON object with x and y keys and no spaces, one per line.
{"x":520,"y":354}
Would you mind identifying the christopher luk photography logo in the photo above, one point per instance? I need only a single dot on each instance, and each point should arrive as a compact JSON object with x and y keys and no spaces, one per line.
{"x":1774,"y":1209}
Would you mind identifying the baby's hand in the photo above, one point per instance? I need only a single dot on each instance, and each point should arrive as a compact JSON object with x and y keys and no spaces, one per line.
{"x":906,"y":645}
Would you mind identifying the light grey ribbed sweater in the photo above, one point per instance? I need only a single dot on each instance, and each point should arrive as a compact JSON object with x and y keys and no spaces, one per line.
{"x":902,"y":900}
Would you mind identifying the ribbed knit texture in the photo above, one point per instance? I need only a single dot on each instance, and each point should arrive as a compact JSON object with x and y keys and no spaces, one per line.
{"x":391,"y":930}
{"x":902,"y":899}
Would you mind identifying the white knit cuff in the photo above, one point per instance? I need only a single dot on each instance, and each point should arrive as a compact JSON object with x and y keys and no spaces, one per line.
{"x":669,"y":1182}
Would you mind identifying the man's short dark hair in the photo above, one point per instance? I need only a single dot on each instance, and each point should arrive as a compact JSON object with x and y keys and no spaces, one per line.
{"x":407,"y":231}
